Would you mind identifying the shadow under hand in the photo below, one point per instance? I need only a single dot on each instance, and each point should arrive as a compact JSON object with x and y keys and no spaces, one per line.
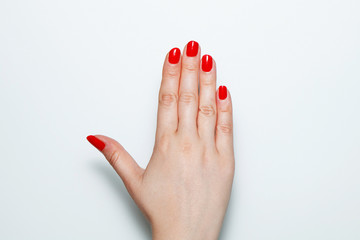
{"x":115,"y":182}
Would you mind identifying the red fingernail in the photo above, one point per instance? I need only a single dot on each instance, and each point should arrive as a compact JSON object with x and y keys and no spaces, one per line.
{"x":100,"y":145}
{"x":174,"y":55}
{"x":207,"y":63}
{"x":192,"y":49}
{"x":222,"y":92}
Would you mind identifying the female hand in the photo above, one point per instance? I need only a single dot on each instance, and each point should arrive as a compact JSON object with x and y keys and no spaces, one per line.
{"x":185,"y":189}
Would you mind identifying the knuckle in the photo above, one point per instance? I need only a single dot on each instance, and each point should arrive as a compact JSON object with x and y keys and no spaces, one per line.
{"x":114,"y":158}
{"x":224,"y":127}
{"x":207,"y":110}
{"x":225,"y":109}
{"x":186,"y":147}
{"x":187,"y":97}
{"x":163,"y":143}
{"x":167,"y":99}
{"x":207,"y":82}
{"x":208,"y":156}
{"x":190,"y":67}
{"x":172,"y":73}
{"x":186,"y":144}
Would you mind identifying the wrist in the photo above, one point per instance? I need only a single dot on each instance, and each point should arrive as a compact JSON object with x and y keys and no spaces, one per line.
{"x":183,"y":233}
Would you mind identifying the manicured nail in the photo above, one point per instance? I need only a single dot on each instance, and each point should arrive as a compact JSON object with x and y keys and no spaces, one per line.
{"x":222,"y":92}
{"x":207,"y":63}
{"x":100,"y":145}
{"x":174,"y":55}
{"x":192,"y":49}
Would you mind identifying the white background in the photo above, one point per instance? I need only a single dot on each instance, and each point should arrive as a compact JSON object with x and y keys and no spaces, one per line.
{"x":69,"y":68}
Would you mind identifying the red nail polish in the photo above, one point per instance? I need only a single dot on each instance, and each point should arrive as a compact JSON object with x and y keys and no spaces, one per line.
{"x":100,"y":145}
{"x":222,"y":92}
{"x":206,"y":63}
{"x":192,"y":49}
{"x":174,"y":55}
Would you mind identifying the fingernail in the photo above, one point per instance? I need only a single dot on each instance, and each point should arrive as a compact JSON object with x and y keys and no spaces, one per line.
{"x":207,"y":63}
{"x":100,"y":145}
{"x":174,"y":55}
{"x":222,"y":92}
{"x":192,"y":49}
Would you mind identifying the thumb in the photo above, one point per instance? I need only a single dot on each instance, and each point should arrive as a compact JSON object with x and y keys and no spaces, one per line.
{"x":129,"y":171}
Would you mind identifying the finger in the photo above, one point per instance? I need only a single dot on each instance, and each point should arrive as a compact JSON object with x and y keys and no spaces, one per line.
{"x":224,"y":123}
{"x":167,"y":119}
{"x":207,"y":104}
{"x":188,"y":92}
{"x":125,"y":166}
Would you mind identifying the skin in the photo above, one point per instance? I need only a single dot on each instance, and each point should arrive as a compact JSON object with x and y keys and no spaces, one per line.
{"x":185,"y":189}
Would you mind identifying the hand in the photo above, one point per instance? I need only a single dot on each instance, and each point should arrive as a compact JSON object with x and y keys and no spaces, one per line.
{"x":185,"y":189}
